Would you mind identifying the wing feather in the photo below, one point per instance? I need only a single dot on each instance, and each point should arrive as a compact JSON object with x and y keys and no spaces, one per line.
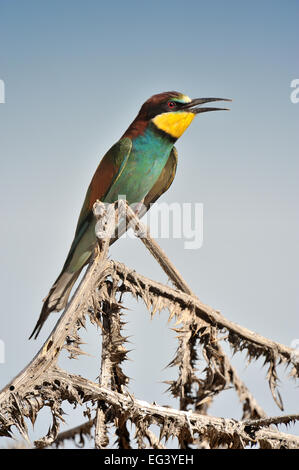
{"x":109,"y":169}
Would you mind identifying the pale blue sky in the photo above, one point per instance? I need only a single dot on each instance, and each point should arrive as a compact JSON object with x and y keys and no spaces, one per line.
{"x":76,"y":73}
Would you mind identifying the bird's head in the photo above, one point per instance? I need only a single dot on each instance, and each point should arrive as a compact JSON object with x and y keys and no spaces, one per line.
{"x":172,"y":112}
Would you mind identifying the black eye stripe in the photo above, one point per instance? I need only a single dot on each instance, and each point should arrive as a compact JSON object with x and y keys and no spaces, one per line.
{"x":164,"y":107}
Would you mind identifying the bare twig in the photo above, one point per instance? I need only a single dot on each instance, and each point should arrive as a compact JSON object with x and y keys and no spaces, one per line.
{"x":184,"y":305}
{"x":186,"y":354}
{"x":82,"y":431}
{"x":218,"y":431}
{"x":99,"y":295}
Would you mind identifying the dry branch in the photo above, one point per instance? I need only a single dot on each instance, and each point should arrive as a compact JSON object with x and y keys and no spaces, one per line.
{"x":82,"y":431}
{"x":99,"y":296}
{"x":186,"y":353}
{"x":183,"y":305}
{"x":218,"y":431}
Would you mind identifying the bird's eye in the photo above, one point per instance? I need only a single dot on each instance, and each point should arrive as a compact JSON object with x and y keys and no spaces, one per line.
{"x":171,"y":104}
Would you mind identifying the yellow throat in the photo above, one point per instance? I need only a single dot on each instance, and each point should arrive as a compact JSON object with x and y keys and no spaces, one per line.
{"x":174,"y":123}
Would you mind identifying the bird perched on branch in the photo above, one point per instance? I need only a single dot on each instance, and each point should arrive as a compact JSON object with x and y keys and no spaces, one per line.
{"x":140,"y":166}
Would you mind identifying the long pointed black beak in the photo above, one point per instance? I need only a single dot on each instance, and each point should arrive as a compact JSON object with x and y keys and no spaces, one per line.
{"x":195,"y":105}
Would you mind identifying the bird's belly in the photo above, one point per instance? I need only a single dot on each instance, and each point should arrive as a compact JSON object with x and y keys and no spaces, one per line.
{"x":142,"y":170}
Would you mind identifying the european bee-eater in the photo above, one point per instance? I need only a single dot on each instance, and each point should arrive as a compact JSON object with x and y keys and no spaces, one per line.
{"x":140,"y":166}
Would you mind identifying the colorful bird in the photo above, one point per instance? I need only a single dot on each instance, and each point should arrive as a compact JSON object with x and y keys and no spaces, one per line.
{"x":140,"y":166}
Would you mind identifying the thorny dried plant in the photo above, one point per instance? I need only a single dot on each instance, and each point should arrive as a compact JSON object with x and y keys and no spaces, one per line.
{"x":200,"y":330}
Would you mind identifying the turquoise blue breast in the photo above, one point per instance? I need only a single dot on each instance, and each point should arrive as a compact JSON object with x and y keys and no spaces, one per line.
{"x":149,"y":154}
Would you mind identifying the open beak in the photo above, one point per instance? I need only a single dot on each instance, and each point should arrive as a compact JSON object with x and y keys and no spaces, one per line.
{"x":195,"y":105}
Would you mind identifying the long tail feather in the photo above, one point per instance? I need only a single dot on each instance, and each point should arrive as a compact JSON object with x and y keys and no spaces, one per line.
{"x":57,"y":298}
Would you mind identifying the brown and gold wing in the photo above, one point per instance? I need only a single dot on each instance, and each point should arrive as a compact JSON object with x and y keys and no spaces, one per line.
{"x":109,"y":169}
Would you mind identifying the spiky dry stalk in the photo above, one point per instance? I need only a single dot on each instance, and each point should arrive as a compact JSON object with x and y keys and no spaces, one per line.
{"x":200,"y":333}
